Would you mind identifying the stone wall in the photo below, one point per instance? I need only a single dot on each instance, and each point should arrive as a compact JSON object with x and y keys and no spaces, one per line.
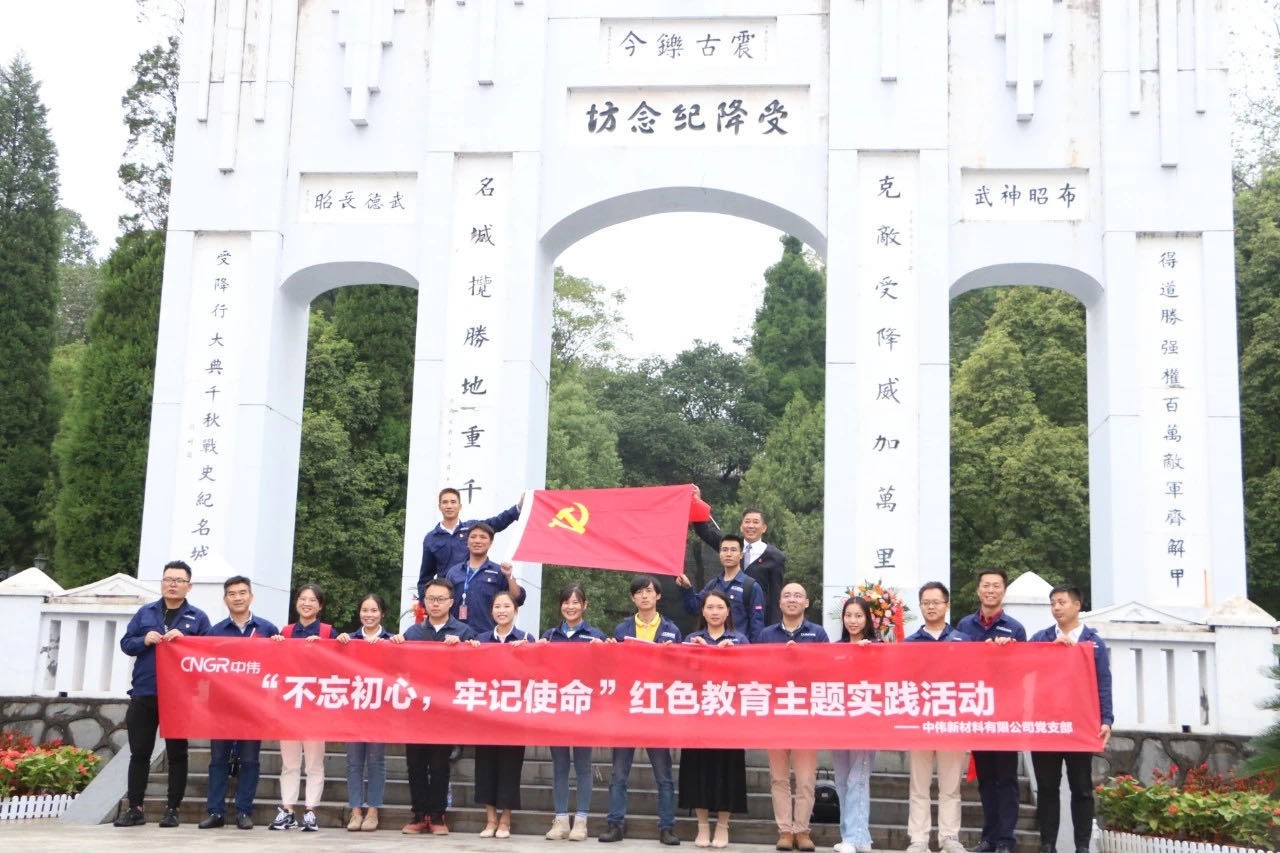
{"x":1139,"y":753}
{"x":96,"y":724}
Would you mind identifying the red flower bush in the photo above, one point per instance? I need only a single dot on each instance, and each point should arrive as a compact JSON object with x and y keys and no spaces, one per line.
{"x":50,"y":768}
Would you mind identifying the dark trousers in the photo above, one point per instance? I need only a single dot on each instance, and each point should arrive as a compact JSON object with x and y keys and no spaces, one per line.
{"x":998,"y":788}
{"x":142,"y":721}
{"x":1048,"y":769}
{"x":428,"y":765}
{"x":220,"y":774}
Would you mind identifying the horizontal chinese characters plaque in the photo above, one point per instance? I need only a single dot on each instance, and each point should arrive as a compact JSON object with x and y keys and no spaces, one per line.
{"x":375,"y":198}
{"x":688,"y":42}
{"x":694,"y":115}
{"x":1024,"y":195}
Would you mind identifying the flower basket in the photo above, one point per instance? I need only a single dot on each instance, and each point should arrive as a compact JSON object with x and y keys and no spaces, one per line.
{"x":1127,"y":842}
{"x":28,"y":808}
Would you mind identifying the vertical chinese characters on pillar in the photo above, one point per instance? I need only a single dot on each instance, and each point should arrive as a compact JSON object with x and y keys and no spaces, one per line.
{"x":887,"y":347}
{"x":1176,"y":551}
{"x":210,"y":398}
{"x":476,"y":300}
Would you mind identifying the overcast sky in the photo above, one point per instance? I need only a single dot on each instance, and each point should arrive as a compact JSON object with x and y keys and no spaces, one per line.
{"x":686,"y":276}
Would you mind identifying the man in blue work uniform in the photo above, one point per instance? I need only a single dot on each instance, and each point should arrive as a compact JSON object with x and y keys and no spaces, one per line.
{"x":237,"y":594}
{"x":746,"y":600}
{"x":162,"y":621}
{"x":997,"y":770}
{"x":793,"y":821}
{"x":1065,"y":602}
{"x":476,"y":580}
{"x":428,"y":763}
{"x":445,"y":544}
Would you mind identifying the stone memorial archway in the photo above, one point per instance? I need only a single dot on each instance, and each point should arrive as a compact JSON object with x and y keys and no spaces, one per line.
{"x":924,"y":148}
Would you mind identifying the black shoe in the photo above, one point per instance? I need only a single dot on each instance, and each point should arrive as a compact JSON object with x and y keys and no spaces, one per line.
{"x":1048,"y":848}
{"x":130,"y":817}
{"x":668,"y":837}
{"x":1083,"y":849}
{"x":1003,"y":848}
{"x":243,"y":821}
{"x":170,"y":819}
{"x":984,"y":846}
{"x":613,"y":833}
{"x":213,"y":821}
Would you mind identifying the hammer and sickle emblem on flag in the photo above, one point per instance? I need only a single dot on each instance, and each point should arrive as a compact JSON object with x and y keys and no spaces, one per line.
{"x":570,"y":520}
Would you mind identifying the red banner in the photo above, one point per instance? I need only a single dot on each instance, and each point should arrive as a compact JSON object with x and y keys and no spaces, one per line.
{"x":893,"y":696}
{"x":630,"y":530}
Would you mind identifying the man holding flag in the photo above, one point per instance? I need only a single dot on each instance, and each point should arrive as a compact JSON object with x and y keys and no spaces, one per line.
{"x":445,"y":545}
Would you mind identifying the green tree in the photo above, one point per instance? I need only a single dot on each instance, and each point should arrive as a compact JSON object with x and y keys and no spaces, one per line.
{"x":347,"y":537}
{"x":151,"y":108}
{"x":585,"y":322}
{"x":789,"y":336}
{"x":101,"y":447}
{"x":29,"y":245}
{"x":79,"y":277}
{"x":1048,"y":326}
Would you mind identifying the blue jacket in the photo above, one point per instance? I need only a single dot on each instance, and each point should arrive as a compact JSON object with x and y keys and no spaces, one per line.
{"x":1005,"y":626}
{"x":255,"y":627}
{"x":667,"y":630}
{"x":452,"y":628}
{"x":585,"y":633}
{"x":948,"y":634}
{"x":486,"y":582}
{"x":737,"y":636}
{"x":748,"y":617}
{"x":358,"y":634}
{"x":1101,"y":664}
{"x":442,"y":549}
{"x":808,"y":632}
{"x":516,"y":634}
{"x":191,"y":621}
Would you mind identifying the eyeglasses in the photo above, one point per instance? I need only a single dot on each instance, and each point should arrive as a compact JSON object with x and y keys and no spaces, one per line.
{"x":439,"y":599}
{"x":174,"y":581}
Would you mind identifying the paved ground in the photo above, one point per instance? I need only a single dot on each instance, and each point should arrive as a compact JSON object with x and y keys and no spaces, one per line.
{"x":48,"y":835}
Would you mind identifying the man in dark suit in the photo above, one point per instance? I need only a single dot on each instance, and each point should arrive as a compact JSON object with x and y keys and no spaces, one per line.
{"x":764,"y":563}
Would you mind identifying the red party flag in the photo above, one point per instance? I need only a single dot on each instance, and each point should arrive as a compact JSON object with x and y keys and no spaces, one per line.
{"x":628,"y":530}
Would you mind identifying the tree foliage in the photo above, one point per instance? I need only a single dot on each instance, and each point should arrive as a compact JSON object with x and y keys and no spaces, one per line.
{"x":79,"y":277}
{"x":29,"y":251}
{"x":151,"y":108}
{"x":101,"y":447}
{"x":789,"y":337}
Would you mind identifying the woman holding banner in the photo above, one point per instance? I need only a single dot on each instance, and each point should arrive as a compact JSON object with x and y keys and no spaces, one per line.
{"x":367,"y":762}
{"x":497,"y":768}
{"x":853,"y":766}
{"x":714,"y":780}
{"x":574,"y":629}
{"x":309,"y":603}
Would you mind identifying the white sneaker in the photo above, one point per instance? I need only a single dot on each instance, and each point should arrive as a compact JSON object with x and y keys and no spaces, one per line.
{"x":845,"y":848}
{"x":579,"y":831}
{"x":309,"y":822}
{"x":951,"y":844}
{"x":559,"y":830}
{"x":917,"y":847}
{"x":284,"y":819}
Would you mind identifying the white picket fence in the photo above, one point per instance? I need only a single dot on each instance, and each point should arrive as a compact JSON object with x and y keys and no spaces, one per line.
{"x":1125,"y":842}
{"x":26,"y":808}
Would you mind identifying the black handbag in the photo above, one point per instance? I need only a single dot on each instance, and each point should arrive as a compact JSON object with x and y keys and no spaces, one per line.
{"x":826,"y":802}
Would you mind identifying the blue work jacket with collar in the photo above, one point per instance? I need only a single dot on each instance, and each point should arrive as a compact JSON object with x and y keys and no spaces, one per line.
{"x":667,"y":631}
{"x":949,"y":634}
{"x":191,"y":621}
{"x":515,"y":635}
{"x":453,"y":628}
{"x":478,"y":593}
{"x":255,"y":627}
{"x":808,"y":632}
{"x":737,"y":636}
{"x":747,"y":615}
{"x":442,"y":549}
{"x":585,"y":632}
{"x":1004,"y":626}
{"x":1101,"y":664}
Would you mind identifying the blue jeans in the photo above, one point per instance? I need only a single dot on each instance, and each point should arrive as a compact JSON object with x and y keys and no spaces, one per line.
{"x":220,"y":772}
{"x":853,"y":785}
{"x":660,"y":759}
{"x":366,"y":761}
{"x":560,"y":778}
